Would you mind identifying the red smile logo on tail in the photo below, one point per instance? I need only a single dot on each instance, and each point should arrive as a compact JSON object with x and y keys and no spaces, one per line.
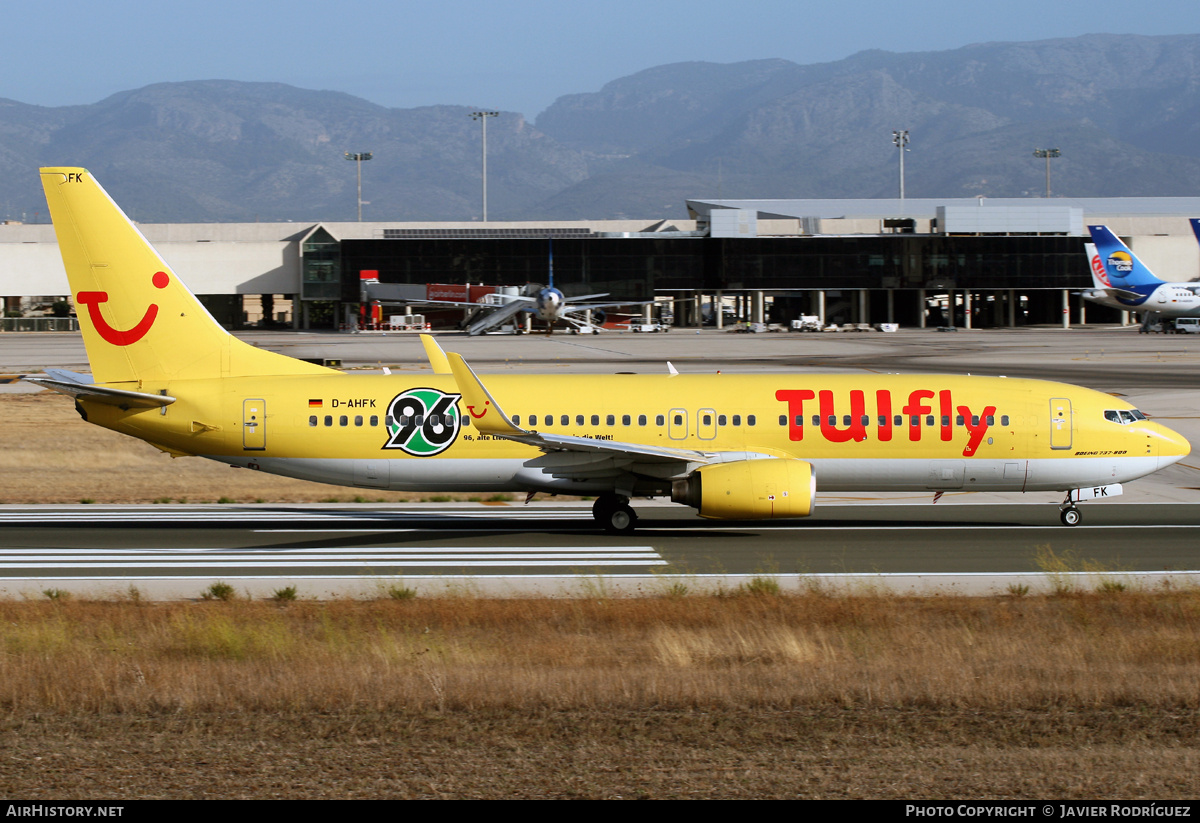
{"x":93,"y":299}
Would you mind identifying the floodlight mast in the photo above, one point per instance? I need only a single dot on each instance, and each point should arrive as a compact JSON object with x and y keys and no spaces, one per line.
{"x":358,"y":159}
{"x":900,"y":140}
{"x":482,"y":117}
{"x":1047,"y":154}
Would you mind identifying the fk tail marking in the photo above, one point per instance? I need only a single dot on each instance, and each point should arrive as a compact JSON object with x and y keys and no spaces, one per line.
{"x":118,"y":337}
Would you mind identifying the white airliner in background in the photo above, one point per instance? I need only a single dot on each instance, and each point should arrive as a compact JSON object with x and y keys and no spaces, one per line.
{"x":1121,"y":281}
{"x":547,"y":304}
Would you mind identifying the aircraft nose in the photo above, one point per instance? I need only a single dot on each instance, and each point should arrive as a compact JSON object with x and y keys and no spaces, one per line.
{"x":1172,"y":446}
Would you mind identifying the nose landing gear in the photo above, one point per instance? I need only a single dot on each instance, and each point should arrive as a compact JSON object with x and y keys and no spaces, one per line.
{"x":1068,"y":514}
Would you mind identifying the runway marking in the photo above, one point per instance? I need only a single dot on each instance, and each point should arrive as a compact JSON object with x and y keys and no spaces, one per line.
{"x":86,"y":560}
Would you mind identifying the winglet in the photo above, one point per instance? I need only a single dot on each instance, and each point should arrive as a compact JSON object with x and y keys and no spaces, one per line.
{"x":486,"y":414}
{"x":437,"y":357}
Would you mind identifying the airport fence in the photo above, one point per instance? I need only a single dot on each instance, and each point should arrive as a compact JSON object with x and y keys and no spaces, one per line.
{"x":38,"y":324}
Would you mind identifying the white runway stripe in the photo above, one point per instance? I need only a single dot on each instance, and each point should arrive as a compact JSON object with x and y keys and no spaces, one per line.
{"x":278,"y":560}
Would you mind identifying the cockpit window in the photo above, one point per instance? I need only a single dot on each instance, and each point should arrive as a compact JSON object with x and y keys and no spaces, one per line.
{"x":1123,"y":416}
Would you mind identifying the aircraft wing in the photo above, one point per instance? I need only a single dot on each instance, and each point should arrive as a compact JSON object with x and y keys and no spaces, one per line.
{"x":589,"y":306}
{"x":495,"y":318}
{"x":495,"y":423}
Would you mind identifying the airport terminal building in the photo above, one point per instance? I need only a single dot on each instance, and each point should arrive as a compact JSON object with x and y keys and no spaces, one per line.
{"x":915,"y":262}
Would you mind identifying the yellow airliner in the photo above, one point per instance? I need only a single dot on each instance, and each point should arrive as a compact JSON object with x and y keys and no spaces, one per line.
{"x":750,"y":446}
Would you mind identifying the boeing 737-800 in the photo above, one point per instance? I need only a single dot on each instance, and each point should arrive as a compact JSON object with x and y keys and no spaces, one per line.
{"x":732,"y":446}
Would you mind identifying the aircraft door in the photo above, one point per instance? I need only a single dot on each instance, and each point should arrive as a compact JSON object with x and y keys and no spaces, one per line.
{"x":706,"y":424}
{"x":254,"y":425}
{"x":677,"y":424}
{"x":1060,"y":422}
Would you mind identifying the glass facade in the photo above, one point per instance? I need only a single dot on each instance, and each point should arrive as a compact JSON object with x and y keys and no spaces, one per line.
{"x":634,"y":268}
{"x":321,"y":258}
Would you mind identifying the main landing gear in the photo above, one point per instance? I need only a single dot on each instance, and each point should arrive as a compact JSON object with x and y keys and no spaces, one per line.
{"x":612,"y":511}
{"x":1068,"y":514}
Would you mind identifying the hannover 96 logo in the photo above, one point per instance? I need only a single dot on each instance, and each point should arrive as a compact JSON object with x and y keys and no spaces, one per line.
{"x":422,"y":422}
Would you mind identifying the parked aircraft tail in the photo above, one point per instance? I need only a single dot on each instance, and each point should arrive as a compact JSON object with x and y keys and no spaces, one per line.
{"x":1195,"y":228}
{"x":139,"y":321}
{"x":1121,"y":266}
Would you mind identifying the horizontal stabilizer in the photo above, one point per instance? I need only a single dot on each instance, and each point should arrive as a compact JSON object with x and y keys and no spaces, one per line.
{"x":102,"y":394}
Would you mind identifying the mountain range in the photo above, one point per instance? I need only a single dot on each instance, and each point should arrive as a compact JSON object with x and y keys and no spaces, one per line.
{"x":1124,"y":111}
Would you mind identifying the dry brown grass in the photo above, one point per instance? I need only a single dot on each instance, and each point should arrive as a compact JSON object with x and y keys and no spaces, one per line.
{"x":1077,"y":696}
{"x":691,"y":653}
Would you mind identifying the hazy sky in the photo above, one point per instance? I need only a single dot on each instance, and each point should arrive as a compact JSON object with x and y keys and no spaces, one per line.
{"x":515,"y":55}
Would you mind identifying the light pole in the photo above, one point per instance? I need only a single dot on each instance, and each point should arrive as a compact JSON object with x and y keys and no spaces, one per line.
{"x":900,"y":140}
{"x":358,"y":158}
{"x":482,"y":117}
{"x":1047,"y":153}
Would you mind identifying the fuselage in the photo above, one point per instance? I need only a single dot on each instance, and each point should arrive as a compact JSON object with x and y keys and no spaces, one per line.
{"x":860,"y":432}
{"x":1169,"y":299}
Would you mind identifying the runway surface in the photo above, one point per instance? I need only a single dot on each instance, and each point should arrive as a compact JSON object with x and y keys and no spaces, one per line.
{"x":550,"y":549}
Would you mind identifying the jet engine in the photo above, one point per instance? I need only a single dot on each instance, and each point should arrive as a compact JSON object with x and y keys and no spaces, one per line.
{"x":750,"y":489}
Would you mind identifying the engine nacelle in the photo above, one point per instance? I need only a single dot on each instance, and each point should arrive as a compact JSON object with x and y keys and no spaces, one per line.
{"x":750,"y":489}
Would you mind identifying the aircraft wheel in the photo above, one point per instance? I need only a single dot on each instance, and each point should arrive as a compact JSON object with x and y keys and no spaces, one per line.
{"x":612,"y":511}
{"x":621,"y":520}
{"x":1070,"y":517}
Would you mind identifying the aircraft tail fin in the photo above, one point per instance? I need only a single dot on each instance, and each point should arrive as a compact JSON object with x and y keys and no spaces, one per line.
{"x":139,"y":321}
{"x":1122,"y":268}
{"x":1195,"y":223}
{"x":1099,"y":275}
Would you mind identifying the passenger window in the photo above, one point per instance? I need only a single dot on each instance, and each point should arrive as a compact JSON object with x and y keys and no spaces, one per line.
{"x":991,"y":420}
{"x":625,"y":420}
{"x":974,"y":420}
{"x":946,"y":419}
{"x":882,"y":422}
{"x":579,"y":420}
{"x":375,"y":420}
{"x":783,"y":419}
{"x":799,"y":420}
{"x":516,"y":419}
{"x":565,"y":420}
{"x":660,"y":420}
{"x":1004,"y":420}
{"x":845,"y":420}
{"x":816,"y":420}
{"x":343,"y":420}
{"x":832,"y":420}
{"x":916,"y":421}
{"x":595,"y":420}
{"x":722,"y":420}
{"x":611,"y":420}
{"x":737,"y":420}
{"x":898,"y":421}
{"x":866,"y":421}
{"x":958,"y":421}
{"x":329,"y":420}
{"x":358,"y":420}
{"x":641,"y":419}
{"x":929,"y":421}
{"x":312,"y":420}
{"x":751,"y":420}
